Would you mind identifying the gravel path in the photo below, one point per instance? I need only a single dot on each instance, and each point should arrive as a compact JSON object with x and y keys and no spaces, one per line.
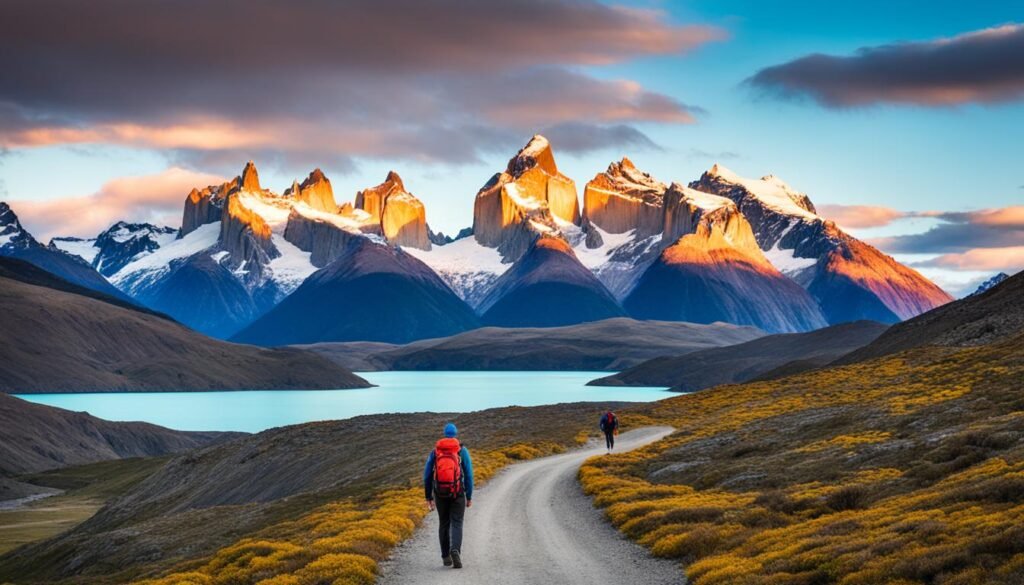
{"x":533,"y":525}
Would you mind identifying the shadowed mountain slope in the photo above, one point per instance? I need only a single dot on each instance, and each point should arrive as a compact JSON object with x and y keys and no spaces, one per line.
{"x":745,"y":361}
{"x":609,"y":345}
{"x":978,"y":319}
{"x":59,"y":337}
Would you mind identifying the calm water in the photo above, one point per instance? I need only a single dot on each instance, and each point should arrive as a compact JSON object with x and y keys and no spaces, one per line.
{"x":395,"y":392}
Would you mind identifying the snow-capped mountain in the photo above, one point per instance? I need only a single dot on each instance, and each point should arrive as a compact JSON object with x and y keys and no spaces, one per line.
{"x":527,"y":200}
{"x":243,"y":248}
{"x":724,"y":248}
{"x":991,"y":282}
{"x":17,"y":242}
{"x":850,"y":279}
{"x":715,"y":271}
{"x":121,"y":244}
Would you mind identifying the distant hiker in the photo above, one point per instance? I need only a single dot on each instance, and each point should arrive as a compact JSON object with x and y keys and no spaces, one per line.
{"x":448,"y":484}
{"x":610,"y":427}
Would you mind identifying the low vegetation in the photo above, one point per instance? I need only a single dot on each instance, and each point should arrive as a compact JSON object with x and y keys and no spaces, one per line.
{"x":904,"y":470}
{"x":339,"y":543}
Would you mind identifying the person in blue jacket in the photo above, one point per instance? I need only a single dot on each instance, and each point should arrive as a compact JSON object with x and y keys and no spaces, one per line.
{"x":450,"y":499}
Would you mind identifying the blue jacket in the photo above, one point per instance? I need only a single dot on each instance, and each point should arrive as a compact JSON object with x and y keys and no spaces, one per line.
{"x":467,"y":475}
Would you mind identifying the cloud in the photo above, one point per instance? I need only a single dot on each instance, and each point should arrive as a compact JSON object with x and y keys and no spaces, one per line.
{"x":985,"y":66}
{"x":1008,"y":259}
{"x":152,"y":198}
{"x":579,"y":138}
{"x":358,"y":79}
{"x":704,"y":154}
{"x":958,"y":232}
{"x":861,"y":216}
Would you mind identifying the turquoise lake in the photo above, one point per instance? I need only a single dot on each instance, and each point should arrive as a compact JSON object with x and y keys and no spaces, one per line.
{"x":254,"y":411}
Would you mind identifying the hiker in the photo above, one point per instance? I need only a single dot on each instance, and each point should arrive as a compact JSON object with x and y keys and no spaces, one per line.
{"x":610,"y":427}
{"x":448,"y":484}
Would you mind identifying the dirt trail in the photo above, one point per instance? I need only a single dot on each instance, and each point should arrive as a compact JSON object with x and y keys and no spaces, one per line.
{"x":533,"y":525}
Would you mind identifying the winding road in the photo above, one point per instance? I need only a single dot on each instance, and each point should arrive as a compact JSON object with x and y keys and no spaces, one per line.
{"x":533,"y":525}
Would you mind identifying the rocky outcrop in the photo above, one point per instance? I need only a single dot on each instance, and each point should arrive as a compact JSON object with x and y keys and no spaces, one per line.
{"x":374,"y":292}
{"x":204,"y":206}
{"x":249,"y":180}
{"x":323,"y":240}
{"x":246,"y":237}
{"x":548,"y":287}
{"x":402,"y":217}
{"x":623,"y":198}
{"x":851,"y":280}
{"x":529,"y":198}
{"x":714,"y":271}
{"x":315,"y":191}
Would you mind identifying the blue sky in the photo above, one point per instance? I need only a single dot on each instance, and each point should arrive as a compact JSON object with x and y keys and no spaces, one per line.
{"x":908,"y":156}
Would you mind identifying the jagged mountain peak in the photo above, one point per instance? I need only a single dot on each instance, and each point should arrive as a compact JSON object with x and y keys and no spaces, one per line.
{"x":316,"y":191}
{"x":396,"y":180}
{"x":536,"y":153}
{"x":12,"y":234}
{"x":769,"y":190}
{"x":991,"y":282}
{"x":249,"y":180}
{"x":402,"y":217}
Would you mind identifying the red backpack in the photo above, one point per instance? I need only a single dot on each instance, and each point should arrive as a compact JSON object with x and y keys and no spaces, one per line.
{"x":447,"y":468}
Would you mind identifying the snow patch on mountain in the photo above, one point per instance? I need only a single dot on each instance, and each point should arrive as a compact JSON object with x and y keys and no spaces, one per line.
{"x":770,"y":190}
{"x":151,"y":266}
{"x":786,"y":261}
{"x":292,"y":267}
{"x":83,"y":248}
{"x":468,"y":267}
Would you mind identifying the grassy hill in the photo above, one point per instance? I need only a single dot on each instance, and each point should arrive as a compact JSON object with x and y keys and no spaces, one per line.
{"x":905,"y":469}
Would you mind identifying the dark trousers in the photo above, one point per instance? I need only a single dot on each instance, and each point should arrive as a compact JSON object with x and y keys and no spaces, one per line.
{"x":451,"y":513}
{"x":609,"y":439}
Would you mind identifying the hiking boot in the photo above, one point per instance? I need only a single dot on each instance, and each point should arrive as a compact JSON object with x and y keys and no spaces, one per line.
{"x":447,"y":560}
{"x":456,"y":560}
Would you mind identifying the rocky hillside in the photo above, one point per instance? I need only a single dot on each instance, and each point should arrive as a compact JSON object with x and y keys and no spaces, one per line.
{"x":978,"y":319}
{"x":609,"y":345}
{"x":787,"y":353}
{"x":60,"y":337}
{"x":34,"y":438}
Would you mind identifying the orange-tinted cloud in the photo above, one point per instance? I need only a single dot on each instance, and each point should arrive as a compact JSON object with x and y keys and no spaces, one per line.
{"x":960,"y":231}
{"x":1009,"y":259}
{"x":860,"y":216}
{"x":152,"y":198}
{"x":984,"y":66}
{"x":210,"y":77}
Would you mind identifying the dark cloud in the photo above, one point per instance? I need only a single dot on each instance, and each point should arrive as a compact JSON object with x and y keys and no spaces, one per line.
{"x":959,"y":232}
{"x":983,"y":66}
{"x":364,"y":78}
{"x":578,"y":138}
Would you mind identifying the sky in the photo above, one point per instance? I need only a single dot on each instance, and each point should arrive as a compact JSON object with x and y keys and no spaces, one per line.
{"x":902,"y":123}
